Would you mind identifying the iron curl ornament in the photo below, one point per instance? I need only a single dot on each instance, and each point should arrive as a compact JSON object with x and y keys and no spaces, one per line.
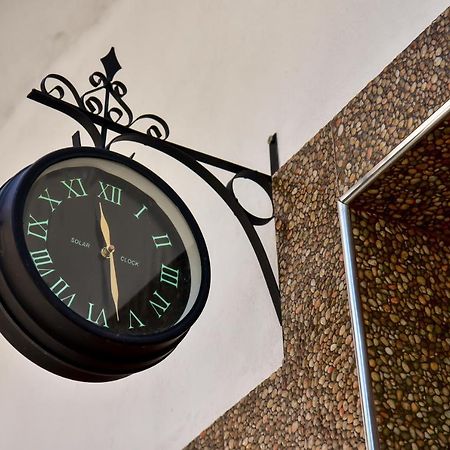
{"x":105,"y":100}
{"x":102,"y":109}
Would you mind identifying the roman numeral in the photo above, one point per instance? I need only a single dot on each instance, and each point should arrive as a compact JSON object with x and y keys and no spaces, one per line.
{"x":159,"y":304}
{"x":110,"y":193}
{"x":138,"y":214}
{"x":136,"y":319}
{"x":101,"y":318}
{"x":42,"y":258}
{"x":161,"y":241}
{"x":75,"y":187}
{"x":59,"y":287}
{"x":169,"y":275}
{"x":37,"y":228}
{"x":52,"y":201}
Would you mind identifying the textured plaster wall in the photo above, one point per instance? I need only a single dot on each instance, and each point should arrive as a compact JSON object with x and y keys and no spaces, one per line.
{"x":312,"y":401}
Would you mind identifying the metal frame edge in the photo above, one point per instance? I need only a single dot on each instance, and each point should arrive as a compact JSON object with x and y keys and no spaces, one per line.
{"x":395,"y":154}
{"x":365,"y":385}
{"x":362,"y":362}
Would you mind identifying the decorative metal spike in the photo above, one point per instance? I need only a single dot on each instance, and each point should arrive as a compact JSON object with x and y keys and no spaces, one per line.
{"x":111,"y":64}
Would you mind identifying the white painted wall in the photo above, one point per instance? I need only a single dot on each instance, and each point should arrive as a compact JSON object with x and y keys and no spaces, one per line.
{"x":225,"y":75}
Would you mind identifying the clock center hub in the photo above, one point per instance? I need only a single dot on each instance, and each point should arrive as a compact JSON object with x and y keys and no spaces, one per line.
{"x":107,"y":251}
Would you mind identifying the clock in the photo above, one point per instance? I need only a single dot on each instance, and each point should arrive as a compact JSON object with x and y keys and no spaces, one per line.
{"x":103,"y":269}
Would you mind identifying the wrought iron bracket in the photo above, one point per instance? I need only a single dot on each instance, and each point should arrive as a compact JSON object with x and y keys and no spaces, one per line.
{"x":102,"y":109}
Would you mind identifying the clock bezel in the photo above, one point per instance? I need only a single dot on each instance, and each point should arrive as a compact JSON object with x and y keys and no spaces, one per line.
{"x":28,"y":177}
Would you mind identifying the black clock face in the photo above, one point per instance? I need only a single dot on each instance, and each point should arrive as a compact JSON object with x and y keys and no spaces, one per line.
{"x":111,"y":246}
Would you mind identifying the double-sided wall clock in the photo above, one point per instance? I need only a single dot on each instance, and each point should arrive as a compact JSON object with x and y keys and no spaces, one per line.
{"x":103,"y":268}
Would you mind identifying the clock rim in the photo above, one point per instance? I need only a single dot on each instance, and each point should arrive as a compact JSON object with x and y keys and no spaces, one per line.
{"x":31,"y":174}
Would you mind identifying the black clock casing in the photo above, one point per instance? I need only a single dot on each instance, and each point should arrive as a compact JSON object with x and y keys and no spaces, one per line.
{"x":45,"y":329}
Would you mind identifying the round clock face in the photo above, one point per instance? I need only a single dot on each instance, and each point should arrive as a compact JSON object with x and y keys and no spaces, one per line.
{"x":112,"y":245}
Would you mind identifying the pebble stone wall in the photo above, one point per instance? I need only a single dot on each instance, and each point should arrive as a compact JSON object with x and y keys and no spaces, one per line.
{"x":312,"y":401}
{"x":405,"y":292}
{"x":401,"y":231}
{"x":415,"y":191}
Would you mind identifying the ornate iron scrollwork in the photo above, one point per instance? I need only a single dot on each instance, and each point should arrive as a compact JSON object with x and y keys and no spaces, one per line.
{"x":102,"y":109}
{"x":105,"y":99}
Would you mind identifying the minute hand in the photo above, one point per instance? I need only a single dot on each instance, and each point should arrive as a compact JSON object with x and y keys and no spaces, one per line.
{"x":107,"y":237}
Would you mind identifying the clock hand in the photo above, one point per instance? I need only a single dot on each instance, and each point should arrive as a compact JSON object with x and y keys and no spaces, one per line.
{"x":114,"y":286}
{"x":108,"y":252}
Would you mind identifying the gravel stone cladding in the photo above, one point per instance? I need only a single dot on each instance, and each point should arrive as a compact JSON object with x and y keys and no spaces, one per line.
{"x":401,"y":232}
{"x":313,"y":400}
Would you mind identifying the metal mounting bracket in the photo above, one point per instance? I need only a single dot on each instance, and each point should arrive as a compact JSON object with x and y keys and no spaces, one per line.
{"x":102,"y":109}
